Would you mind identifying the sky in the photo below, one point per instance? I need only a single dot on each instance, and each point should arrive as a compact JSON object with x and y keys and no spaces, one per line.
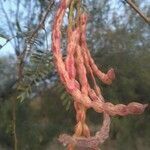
{"x":7,"y":49}
{"x":10,"y":5}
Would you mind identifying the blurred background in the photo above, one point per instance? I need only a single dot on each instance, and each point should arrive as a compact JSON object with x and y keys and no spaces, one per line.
{"x":34,"y":107}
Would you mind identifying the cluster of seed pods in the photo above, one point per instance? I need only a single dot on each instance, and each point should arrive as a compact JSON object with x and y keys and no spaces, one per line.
{"x":73,"y":74}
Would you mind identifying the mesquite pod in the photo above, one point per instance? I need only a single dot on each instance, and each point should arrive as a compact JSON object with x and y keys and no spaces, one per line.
{"x":73,"y":39}
{"x":91,"y":142}
{"x":73,"y":74}
{"x":106,"y":78}
{"x":68,"y":83}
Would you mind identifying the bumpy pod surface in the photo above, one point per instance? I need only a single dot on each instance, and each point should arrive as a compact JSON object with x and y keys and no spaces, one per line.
{"x":73,"y":74}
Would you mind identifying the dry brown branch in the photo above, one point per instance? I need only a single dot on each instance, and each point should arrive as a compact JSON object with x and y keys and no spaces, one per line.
{"x":147,"y":19}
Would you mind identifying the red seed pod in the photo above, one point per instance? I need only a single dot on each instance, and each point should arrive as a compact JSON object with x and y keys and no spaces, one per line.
{"x":136,"y":108}
{"x":111,"y":74}
{"x":78,"y":129}
{"x":81,"y":71}
{"x":121,"y":110}
{"x":106,"y":78}
{"x":69,"y":64}
{"x":86,"y":131}
{"x":73,"y":74}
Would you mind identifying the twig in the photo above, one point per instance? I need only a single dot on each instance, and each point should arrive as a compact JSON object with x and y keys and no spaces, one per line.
{"x":7,"y":41}
{"x":41,"y":24}
{"x":32,"y":36}
{"x":147,"y":19}
{"x":14,"y":125}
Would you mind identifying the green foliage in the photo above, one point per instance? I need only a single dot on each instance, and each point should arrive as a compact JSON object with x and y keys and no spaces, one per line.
{"x":39,"y":68}
{"x":6,"y":126}
{"x":64,"y":96}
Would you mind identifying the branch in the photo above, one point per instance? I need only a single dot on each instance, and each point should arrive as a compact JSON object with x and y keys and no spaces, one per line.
{"x":41,"y":24}
{"x":31,"y":38}
{"x":146,"y":19}
{"x":14,"y":124}
{"x":7,"y":41}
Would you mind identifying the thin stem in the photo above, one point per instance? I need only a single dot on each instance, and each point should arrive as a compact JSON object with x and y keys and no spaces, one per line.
{"x":27,"y":49}
{"x":71,"y":14}
{"x":14,"y":125}
{"x":7,"y":41}
{"x":147,"y":19}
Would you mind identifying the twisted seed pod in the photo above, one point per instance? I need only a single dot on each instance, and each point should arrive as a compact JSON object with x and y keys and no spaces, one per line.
{"x":70,"y":84}
{"x":106,"y":78}
{"x":86,"y":97}
{"x":81,"y":70}
{"x":91,"y":142}
{"x":73,"y":39}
